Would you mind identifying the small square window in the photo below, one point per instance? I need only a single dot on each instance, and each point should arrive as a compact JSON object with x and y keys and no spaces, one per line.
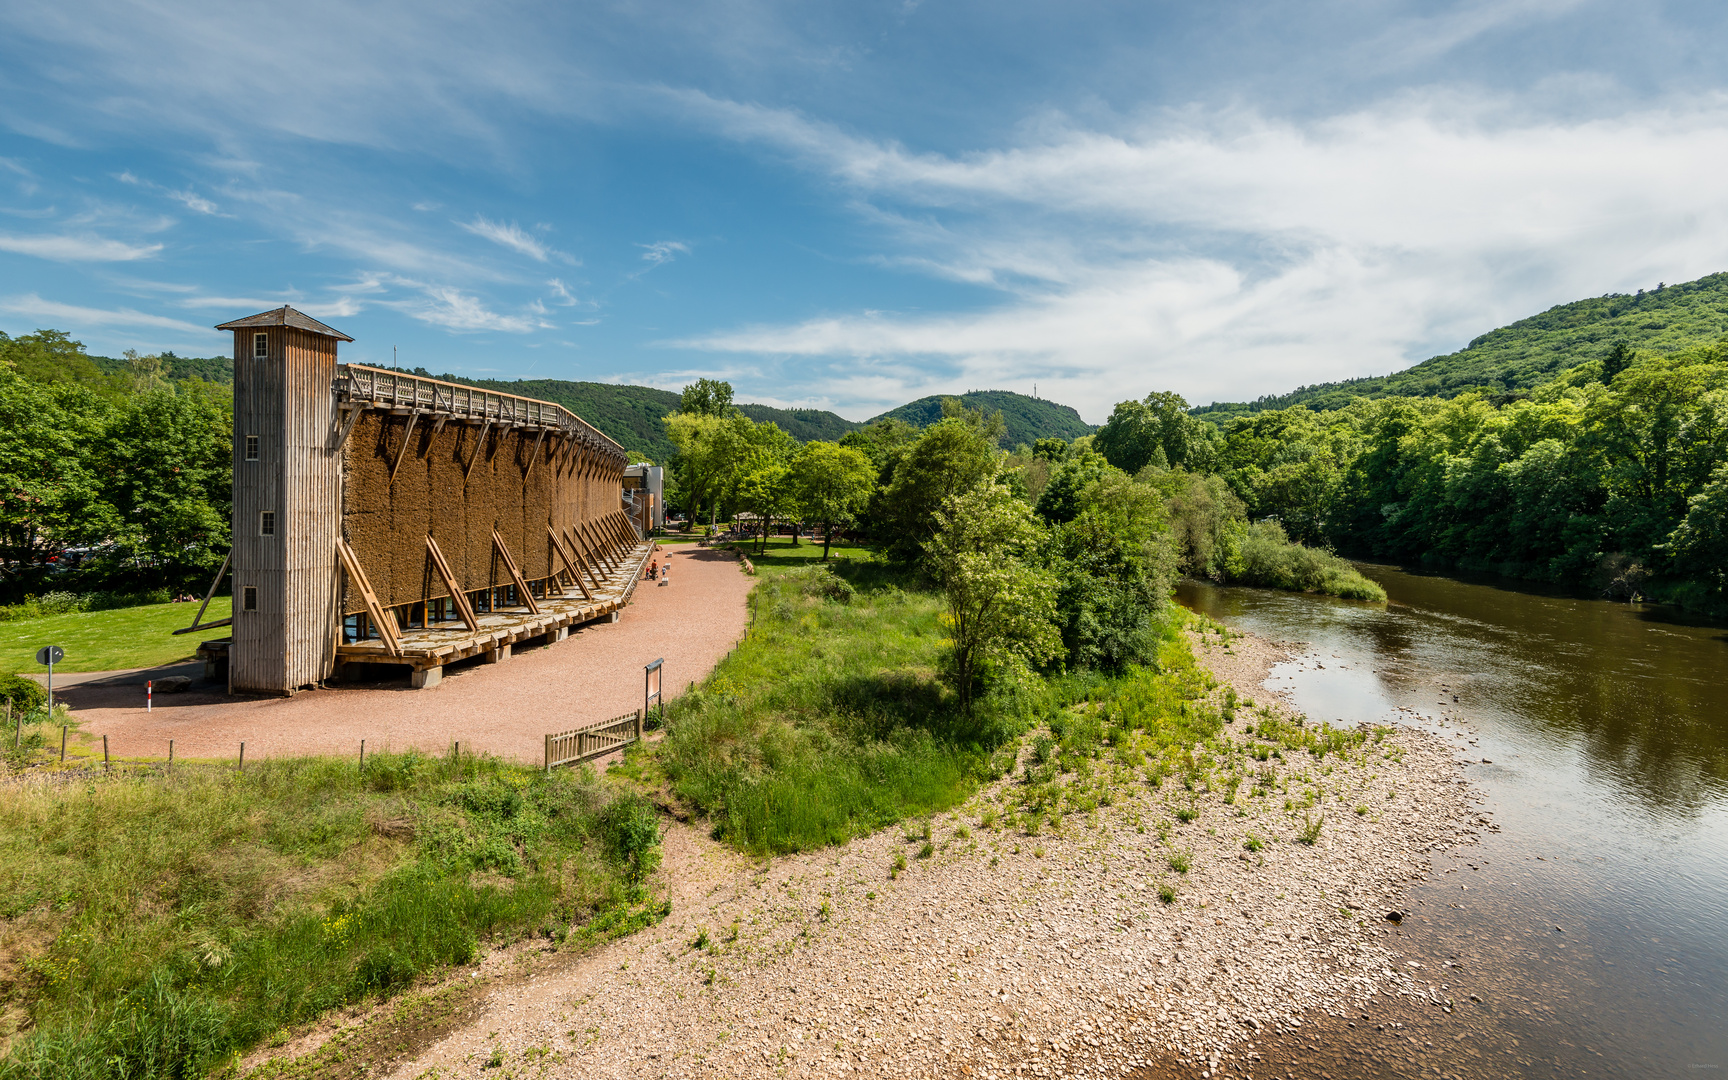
{"x":249,"y":598}
{"x":260,"y":346}
{"x":267,"y":523}
{"x":251,"y":448}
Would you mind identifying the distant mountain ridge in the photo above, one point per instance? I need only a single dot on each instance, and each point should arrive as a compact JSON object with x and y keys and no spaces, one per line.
{"x":1530,"y":351}
{"x":1028,"y":418}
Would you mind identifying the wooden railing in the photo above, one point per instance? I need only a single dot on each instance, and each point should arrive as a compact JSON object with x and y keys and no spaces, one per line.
{"x":380,"y":389}
{"x":595,"y":740}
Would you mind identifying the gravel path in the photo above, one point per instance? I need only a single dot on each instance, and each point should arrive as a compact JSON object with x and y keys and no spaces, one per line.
{"x":1002,"y":954}
{"x":503,"y":709}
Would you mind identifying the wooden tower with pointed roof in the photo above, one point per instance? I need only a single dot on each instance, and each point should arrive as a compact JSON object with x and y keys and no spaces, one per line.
{"x":287,"y":502}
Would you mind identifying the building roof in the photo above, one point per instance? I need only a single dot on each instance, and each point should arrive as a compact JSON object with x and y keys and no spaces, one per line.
{"x":285,"y":316}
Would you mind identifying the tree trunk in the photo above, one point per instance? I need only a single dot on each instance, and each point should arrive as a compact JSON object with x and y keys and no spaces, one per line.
{"x":827,"y":538}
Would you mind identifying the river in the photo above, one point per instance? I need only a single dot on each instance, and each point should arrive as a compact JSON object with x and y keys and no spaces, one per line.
{"x":1593,"y":923}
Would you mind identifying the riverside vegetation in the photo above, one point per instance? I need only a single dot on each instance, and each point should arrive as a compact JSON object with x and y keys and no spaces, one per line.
{"x":156,"y":925}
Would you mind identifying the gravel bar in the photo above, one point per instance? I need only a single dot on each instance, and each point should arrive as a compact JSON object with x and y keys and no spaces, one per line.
{"x":1002,"y":954}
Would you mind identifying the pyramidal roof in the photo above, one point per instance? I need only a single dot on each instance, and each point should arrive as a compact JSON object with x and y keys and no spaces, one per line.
{"x":284,"y":316}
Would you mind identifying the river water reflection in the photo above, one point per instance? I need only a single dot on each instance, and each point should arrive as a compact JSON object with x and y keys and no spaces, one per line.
{"x":1594,"y":924}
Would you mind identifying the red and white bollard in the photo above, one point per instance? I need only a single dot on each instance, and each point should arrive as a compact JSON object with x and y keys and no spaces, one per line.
{"x":149,"y":695}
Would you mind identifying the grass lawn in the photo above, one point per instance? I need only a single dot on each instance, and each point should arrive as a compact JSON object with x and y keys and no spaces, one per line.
{"x":153,"y":925}
{"x":829,"y":720}
{"x":115,"y":640}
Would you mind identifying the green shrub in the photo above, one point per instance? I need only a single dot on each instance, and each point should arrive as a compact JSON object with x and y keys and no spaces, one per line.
{"x":21,"y":694}
{"x":1268,"y":557}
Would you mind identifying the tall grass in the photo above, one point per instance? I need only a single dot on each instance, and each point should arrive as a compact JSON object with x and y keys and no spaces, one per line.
{"x":1268,"y":557}
{"x":153,"y":925}
{"x":829,"y":720}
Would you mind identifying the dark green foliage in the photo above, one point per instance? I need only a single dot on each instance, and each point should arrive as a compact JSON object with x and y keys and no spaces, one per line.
{"x":1028,"y":419}
{"x":951,"y":456}
{"x":1158,"y":433}
{"x":1060,"y":500}
{"x":21,"y":694}
{"x":1523,"y":355}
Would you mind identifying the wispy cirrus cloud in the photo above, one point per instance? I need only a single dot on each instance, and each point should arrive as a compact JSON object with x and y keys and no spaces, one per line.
{"x":663,"y":251}
{"x":79,"y":248}
{"x":53,"y":312}
{"x":513,"y":237}
{"x":453,"y":309}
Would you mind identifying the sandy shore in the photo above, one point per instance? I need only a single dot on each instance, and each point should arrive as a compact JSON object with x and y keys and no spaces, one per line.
{"x":1003,"y":954}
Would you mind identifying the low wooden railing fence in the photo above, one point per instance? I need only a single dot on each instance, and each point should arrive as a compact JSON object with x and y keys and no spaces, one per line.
{"x":595,"y":740}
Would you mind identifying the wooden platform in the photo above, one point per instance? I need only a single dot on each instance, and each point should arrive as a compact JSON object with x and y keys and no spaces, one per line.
{"x":427,"y":649}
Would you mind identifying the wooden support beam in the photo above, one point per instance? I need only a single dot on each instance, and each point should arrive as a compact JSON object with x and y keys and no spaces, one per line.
{"x":385,"y":621}
{"x":570,"y":566}
{"x":577,"y":546}
{"x":198,"y":619}
{"x":352,"y":417}
{"x":457,"y":596}
{"x":479,"y":448}
{"x":595,"y":546}
{"x":534,"y":456}
{"x":439,"y":421}
{"x":522,"y":592}
{"x":402,"y":452}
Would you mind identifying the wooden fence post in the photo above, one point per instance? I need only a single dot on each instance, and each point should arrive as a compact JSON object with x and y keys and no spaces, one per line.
{"x":548,"y":753}
{"x":62,"y":744}
{"x":170,"y":755}
{"x":639,"y":717}
{"x":105,"y":766}
{"x":242,"y":757}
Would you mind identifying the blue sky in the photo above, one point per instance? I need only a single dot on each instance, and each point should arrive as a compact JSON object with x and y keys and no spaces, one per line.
{"x":852,"y":205}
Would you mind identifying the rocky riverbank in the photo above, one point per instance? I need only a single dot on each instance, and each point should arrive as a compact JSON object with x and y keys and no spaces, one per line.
{"x":1122,"y":939}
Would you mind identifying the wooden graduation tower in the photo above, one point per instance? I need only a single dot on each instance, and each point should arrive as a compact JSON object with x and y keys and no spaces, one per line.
{"x":394,"y":519}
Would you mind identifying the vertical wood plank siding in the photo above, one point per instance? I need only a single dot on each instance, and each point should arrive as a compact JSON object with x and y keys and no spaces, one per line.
{"x":285,"y":400}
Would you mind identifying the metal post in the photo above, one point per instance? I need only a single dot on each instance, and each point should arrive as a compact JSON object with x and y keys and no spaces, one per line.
{"x":50,"y":683}
{"x":149,"y":695}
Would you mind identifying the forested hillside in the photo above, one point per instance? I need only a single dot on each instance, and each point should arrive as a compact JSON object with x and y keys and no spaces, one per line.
{"x":1028,"y":418}
{"x":1612,"y":477}
{"x":1520,"y":356}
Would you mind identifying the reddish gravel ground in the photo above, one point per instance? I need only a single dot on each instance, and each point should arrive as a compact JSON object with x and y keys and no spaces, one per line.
{"x":503,"y":709}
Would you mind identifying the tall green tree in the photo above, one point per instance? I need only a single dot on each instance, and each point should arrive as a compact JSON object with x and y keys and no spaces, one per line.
{"x":950,"y":457}
{"x":1158,"y":432}
{"x":706,"y":397}
{"x":1001,"y":608}
{"x":832,"y":485}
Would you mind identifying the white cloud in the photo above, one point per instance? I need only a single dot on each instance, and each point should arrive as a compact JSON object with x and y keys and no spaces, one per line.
{"x":663,"y":251}
{"x":193,"y":201}
{"x":453,"y":309}
{"x":1227,"y":254}
{"x":30,"y":305}
{"x":77,"y":248}
{"x":511,"y":236}
{"x":562,"y":292}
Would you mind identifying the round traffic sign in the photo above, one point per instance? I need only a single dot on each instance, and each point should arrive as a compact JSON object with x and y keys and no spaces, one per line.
{"x":50,"y":654}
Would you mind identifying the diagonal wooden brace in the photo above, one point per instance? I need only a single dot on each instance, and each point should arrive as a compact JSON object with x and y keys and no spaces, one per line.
{"x":457,"y":596}
{"x":383,"y":620}
{"x":570,"y":566}
{"x":522,"y":592}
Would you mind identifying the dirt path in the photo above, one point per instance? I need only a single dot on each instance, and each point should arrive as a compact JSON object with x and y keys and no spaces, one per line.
{"x":1001,"y":954}
{"x":502,"y":709}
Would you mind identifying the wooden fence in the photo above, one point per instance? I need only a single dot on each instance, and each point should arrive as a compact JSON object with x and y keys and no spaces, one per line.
{"x":595,"y":740}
